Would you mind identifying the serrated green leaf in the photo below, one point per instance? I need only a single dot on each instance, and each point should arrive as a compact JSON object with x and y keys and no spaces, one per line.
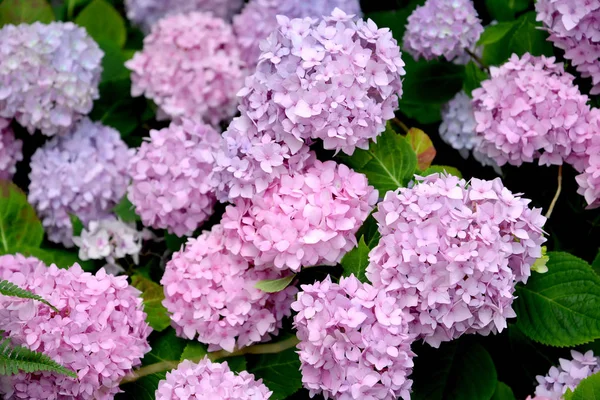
{"x":388,"y":164}
{"x":126,"y":211}
{"x":153,"y":295}
{"x":503,"y":392}
{"x":441,"y":169}
{"x":528,"y":37}
{"x":275,"y":285}
{"x":103,"y":23}
{"x":356,"y":261}
{"x":76,"y":224}
{"x":596,"y":263}
{"x":422,"y":145}
{"x":458,"y":370}
{"x":473,"y":77}
{"x":194,"y":351}
{"x":587,"y":389}
{"x":562,"y":306}
{"x":19,"y":225}
{"x":495,"y":33}
{"x":25,"y":11}
{"x":280,"y":372}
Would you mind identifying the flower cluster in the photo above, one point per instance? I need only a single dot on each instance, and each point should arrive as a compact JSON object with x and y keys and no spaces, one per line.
{"x":10,"y":150}
{"x":146,"y":13}
{"x":191,"y":67}
{"x":258,"y":20}
{"x":302,"y":219}
{"x":99,"y":331}
{"x":49,"y":75}
{"x":210,"y":381}
{"x":554,"y":385}
{"x":109,"y":239}
{"x":589,"y":180}
{"x":354,"y":341}
{"x":442,"y":28}
{"x":452,"y":253}
{"x":82,"y":173}
{"x":210,"y":293}
{"x":575,"y":27}
{"x":530,"y":109}
{"x":171,"y":187}
{"x":458,"y":128}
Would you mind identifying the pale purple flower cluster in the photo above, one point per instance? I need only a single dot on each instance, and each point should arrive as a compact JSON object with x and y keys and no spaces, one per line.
{"x":83,"y":173}
{"x":442,"y":28}
{"x":302,"y":219}
{"x":354,"y":341}
{"x":452,"y":252}
{"x":171,"y":187}
{"x":10,"y":150}
{"x":568,"y":375}
{"x":49,"y":75}
{"x":191,"y":67}
{"x":531,"y":109}
{"x":210,"y":294}
{"x":210,"y":381}
{"x":146,"y":13}
{"x":589,"y":180}
{"x":99,"y":331}
{"x":258,"y":20}
{"x":575,"y":27}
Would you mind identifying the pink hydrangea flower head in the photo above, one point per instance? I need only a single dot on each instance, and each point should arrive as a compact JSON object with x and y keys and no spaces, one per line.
{"x":302,"y":219}
{"x":145,"y":13}
{"x":99,"y":331}
{"x":191,"y":67}
{"x":574,"y":26}
{"x":10,"y":150}
{"x":210,"y":381}
{"x":335,"y":79}
{"x":567,"y":375}
{"x":258,"y":20}
{"x":589,"y":179}
{"x":211,"y":296}
{"x":530,"y":109}
{"x":171,"y":187}
{"x":249,"y":160}
{"x":452,"y":252}
{"x":354,"y":341}
{"x":49,"y":75}
{"x":442,"y":28}
{"x":83,"y":173}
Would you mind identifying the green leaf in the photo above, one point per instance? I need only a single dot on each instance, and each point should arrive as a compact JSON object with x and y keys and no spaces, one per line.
{"x":25,"y":11}
{"x":236,"y":364}
{"x":395,"y":19}
{"x":505,"y":10}
{"x":15,"y":359}
{"x":10,"y":289}
{"x":431,"y":81}
{"x":596,"y":263}
{"x":388,"y":164}
{"x":473,"y":77}
{"x":153,"y":295}
{"x":440,"y":169}
{"x":424,"y":113}
{"x":61,"y":258}
{"x":503,"y":392}
{"x":458,"y":370}
{"x":588,"y":389}
{"x":356,"y":261}
{"x":495,"y":33}
{"x":275,"y":285}
{"x":76,"y":224}
{"x":103,"y":23}
{"x":19,"y":225}
{"x":174,"y":242}
{"x":422,"y":146}
{"x":562,"y":306}
{"x":280,"y":372}
{"x":113,"y":64}
{"x":126,"y":211}
{"x":528,"y":37}
{"x":194,"y":351}
{"x":369,"y":230}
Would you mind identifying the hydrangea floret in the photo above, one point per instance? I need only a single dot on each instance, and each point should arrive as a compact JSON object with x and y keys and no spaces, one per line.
{"x":567,"y":375}
{"x":11,"y":150}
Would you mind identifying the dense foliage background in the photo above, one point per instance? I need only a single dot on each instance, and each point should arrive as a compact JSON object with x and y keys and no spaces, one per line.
{"x":500,"y":366}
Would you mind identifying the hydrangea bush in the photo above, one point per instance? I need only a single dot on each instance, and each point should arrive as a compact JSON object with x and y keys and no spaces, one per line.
{"x":286,"y":200}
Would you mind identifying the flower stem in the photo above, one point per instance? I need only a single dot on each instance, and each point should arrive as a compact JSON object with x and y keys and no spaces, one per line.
{"x":268,"y":348}
{"x":478,"y":60}
{"x":557,"y":194}
{"x":401,"y":125}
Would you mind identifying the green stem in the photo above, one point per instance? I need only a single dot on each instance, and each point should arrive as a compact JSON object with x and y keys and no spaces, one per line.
{"x":557,"y":194}
{"x":70,"y":9}
{"x":401,"y":125}
{"x":478,"y":60}
{"x":162,"y":366}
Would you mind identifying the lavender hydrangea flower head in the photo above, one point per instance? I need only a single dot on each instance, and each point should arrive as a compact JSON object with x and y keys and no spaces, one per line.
{"x":10,"y":150}
{"x":171,"y":187}
{"x":334,"y":79}
{"x":99,"y":331}
{"x":452,"y":252}
{"x":49,"y":75}
{"x":82,"y":173}
{"x":575,"y":27}
{"x":589,"y":179}
{"x":146,"y":13}
{"x":191,"y":67}
{"x":442,"y":28}
{"x":530,"y":109}
{"x":258,"y":20}
{"x":210,"y":381}
{"x":354,"y":341}
{"x":302,"y":219}
{"x":210,"y":294}
{"x":567,"y":375}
